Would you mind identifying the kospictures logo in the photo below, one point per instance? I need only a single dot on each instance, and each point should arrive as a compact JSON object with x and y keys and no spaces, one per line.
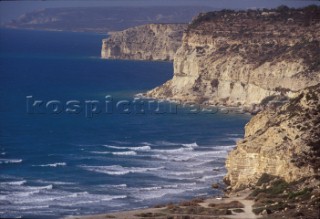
{"x":108,"y":105}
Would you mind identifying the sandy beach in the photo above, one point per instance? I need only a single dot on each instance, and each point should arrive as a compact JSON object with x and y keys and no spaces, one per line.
{"x":226,"y":207}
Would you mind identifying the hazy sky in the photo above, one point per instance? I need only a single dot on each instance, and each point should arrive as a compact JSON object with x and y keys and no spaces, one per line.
{"x":12,"y":9}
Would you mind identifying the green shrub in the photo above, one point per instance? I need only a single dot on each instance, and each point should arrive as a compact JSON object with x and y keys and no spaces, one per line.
{"x":257,"y":211}
{"x":238,"y":210}
{"x":265,"y":178}
{"x":302,"y":193}
{"x":278,"y":187}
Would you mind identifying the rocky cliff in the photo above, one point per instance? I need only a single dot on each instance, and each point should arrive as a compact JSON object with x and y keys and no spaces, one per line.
{"x":240,"y":58}
{"x":283,"y":142}
{"x":146,"y":42}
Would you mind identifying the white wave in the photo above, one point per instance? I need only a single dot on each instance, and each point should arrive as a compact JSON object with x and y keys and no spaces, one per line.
{"x":100,"y":152}
{"x":33,"y":207}
{"x":234,"y":134}
{"x":141,"y":148}
{"x":129,"y":153}
{"x":167,"y":143}
{"x":114,"y":197}
{"x":36,"y":199}
{"x":224,"y":147}
{"x":138,"y":148}
{"x":202,"y":162}
{"x":150,"y":188}
{"x":235,"y":139}
{"x":180,"y":185}
{"x":15,"y":183}
{"x":56,"y":182}
{"x":192,"y":145}
{"x":188,"y":154}
{"x":171,"y":186}
{"x":6,"y":161}
{"x":210,"y":177}
{"x":118,"y":170}
{"x":174,"y":151}
{"x":139,"y":95}
{"x":186,"y":173}
{"x":78,"y":194}
{"x":172,"y":157}
{"x":25,"y":191}
{"x":91,"y":198}
{"x":51,"y":165}
{"x":120,"y":186}
{"x":40,"y":187}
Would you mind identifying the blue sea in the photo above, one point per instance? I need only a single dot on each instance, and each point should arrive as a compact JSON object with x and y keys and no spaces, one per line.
{"x":64,"y":152}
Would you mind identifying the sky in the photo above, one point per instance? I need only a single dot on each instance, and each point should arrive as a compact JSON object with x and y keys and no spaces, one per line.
{"x":12,"y":9}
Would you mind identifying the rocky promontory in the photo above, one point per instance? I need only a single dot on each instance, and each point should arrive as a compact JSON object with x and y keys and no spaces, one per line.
{"x":283,"y":142}
{"x":146,"y":42}
{"x":279,"y":159}
{"x":241,"y":58}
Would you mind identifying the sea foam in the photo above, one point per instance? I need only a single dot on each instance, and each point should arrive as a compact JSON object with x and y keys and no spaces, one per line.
{"x":118,"y":170}
{"x":7,"y":161}
{"x":51,"y":165}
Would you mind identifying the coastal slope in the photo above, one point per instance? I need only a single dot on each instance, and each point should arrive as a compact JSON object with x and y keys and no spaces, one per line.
{"x":283,"y":142}
{"x":240,"y":58}
{"x":145,"y":42}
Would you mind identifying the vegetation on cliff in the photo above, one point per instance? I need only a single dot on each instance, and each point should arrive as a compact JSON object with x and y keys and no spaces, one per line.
{"x":277,"y":198}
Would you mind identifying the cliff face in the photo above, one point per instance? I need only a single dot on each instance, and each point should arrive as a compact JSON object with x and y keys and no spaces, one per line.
{"x":283,"y":142}
{"x":240,"y":58}
{"x":146,"y":42}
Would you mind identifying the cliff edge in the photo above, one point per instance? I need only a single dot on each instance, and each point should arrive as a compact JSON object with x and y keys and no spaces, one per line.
{"x":146,"y":42}
{"x":283,"y":142}
{"x":240,"y":58}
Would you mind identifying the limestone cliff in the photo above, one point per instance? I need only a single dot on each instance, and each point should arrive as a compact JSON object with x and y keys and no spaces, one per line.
{"x":240,"y":58}
{"x":283,"y":142}
{"x":146,"y":42}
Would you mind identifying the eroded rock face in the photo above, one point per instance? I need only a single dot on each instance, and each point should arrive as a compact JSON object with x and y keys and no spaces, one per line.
{"x":146,"y":42}
{"x":283,"y":142}
{"x":240,"y":58}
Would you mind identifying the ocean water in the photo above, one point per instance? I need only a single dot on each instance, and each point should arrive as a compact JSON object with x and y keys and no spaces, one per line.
{"x":55,"y":163}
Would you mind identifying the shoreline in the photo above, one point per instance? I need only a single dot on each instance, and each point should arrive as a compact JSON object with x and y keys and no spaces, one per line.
{"x":232,"y":205}
{"x":223,"y":109}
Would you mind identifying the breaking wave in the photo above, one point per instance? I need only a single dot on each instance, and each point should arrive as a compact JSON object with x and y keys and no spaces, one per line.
{"x":118,"y":170}
{"x":7,"y":161}
{"x":51,"y":165}
{"x":139,"y":148}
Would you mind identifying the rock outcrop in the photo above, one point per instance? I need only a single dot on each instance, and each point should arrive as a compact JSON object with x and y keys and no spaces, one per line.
{"x":146,"y":42}
{"x":240,"y":58}
{"x":283,"y":142}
